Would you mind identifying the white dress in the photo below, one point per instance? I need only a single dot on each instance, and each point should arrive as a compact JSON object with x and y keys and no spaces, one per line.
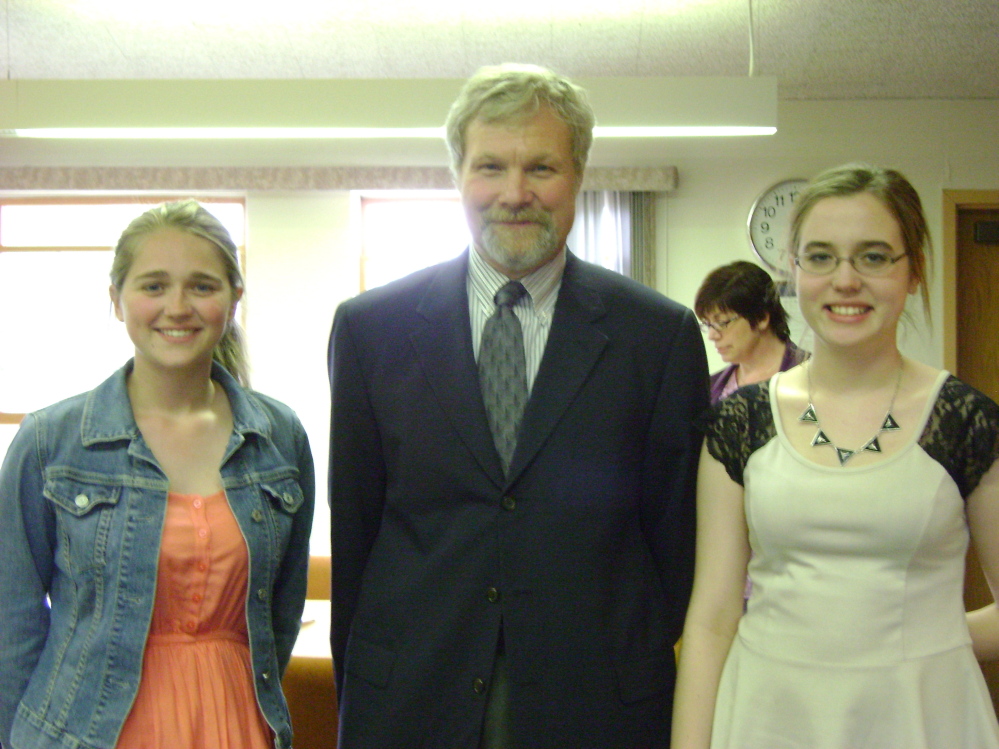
{"x":855,"y":634}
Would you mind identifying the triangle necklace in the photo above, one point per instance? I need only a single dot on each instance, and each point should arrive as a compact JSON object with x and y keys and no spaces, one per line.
{"x":821,"y":439}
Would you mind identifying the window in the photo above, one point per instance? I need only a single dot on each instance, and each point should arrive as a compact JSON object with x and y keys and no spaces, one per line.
{"x":58,"y":333}
{"x":616,"y":230}
{"x":404,"y":231}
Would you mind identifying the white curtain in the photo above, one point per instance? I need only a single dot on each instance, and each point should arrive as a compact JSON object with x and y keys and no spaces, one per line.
{"x":616,"y":230}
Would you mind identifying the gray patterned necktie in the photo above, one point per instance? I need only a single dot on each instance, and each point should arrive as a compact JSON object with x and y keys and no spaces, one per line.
{"x":503,"y":371}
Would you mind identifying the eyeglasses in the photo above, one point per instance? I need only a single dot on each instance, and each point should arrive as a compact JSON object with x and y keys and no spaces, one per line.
{"x":718,"y":327}
{"x":866,"y":263}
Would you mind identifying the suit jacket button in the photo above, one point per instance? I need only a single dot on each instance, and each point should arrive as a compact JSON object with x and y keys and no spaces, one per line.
{"x":479,"y":686}
{"x":508,"y":503}
{"x":492,"y":594}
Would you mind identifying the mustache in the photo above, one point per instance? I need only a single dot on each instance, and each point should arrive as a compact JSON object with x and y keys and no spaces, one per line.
{"x":533,"y":215}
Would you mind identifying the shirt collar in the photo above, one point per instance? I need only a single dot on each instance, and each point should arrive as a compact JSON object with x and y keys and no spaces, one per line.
{"x":542,"y":284}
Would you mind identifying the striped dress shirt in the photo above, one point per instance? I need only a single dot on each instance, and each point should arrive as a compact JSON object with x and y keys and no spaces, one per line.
{"x":534,"y":309}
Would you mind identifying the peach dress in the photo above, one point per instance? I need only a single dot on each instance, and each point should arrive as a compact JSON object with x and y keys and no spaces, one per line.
{"x":197,"y":679}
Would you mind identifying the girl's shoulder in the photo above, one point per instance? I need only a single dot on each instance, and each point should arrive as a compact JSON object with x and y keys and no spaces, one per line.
{"x":962,"y":432}
{"x":738,"y":425}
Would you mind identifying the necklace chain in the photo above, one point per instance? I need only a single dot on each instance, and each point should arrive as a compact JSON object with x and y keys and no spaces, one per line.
{"x":821,"y":439}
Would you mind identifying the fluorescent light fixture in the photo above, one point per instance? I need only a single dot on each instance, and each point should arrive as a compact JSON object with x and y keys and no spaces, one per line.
{"x":348,"y":109}
{"x":343,"y":133}
{"x":226,"y":133}
{"x":698,"y":131}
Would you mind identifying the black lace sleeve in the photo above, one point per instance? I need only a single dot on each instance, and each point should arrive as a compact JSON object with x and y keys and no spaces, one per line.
{"x":962,"y":433}
{"x":737,"y":426}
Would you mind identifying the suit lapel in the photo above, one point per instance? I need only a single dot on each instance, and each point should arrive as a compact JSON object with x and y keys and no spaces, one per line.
{"x":573,"y":348}
{"x":444,"y":347}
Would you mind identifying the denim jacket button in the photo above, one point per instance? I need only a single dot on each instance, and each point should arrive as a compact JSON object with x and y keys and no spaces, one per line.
{"x":266,"y":676}
{"x":81,"y":500}
{"x":257,"y":516}
{"x":262,"y":594}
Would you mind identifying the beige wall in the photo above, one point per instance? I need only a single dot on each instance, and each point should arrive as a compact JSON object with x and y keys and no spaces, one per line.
{"x":301,"y":262}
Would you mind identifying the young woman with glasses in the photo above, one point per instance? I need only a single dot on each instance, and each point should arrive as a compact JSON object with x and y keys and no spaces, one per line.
{"x":850,"y":486}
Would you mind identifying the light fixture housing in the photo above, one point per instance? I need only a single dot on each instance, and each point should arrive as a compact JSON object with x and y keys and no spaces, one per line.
{"x":359,"y":108}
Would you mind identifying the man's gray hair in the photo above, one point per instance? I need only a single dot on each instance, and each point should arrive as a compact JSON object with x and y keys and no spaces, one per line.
{"x":508,"y":92}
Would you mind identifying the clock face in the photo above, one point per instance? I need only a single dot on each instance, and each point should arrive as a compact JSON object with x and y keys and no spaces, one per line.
{"x":768,"y":224}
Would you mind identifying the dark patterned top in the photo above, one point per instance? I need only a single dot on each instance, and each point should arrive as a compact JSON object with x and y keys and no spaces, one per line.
{"x":961,"y":433}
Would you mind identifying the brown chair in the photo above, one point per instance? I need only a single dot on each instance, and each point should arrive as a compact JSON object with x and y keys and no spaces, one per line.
{"x":308,"y":682}
{"x":320,"y":577}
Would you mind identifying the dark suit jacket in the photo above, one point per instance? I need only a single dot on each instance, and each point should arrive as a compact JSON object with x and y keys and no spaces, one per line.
{"x":585,"y":554}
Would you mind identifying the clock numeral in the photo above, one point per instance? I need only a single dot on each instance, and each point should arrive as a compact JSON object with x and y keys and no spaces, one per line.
{"x":768,"y":223}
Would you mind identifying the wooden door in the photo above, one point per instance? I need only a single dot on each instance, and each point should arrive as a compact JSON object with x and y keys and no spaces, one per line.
{"x":977,"y":330}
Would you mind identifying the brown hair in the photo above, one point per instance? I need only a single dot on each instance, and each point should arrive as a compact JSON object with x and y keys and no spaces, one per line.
{"x":747,"y":290}
{"x":892,"y":189}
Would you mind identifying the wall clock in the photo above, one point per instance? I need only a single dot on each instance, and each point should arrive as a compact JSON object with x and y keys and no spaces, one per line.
{"x":768,"y":223}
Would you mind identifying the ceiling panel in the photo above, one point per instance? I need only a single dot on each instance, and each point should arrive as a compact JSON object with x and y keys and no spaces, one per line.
{"x":818,"y":49}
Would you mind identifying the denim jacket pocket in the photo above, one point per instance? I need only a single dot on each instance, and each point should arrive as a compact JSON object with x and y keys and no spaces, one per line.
{"x":85,"y":503}
{"x":285,"y":494}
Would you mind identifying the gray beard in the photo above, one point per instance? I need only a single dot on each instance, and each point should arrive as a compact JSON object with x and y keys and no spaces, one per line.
{"x":524,"y":257}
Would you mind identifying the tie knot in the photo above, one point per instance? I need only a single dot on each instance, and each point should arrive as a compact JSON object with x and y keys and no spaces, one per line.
{"x":509,"y":294}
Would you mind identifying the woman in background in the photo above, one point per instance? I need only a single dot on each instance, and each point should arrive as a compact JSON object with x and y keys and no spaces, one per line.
{"x":741,"y":313}
{"x":856,"y":480}
{"x":166,"y":517}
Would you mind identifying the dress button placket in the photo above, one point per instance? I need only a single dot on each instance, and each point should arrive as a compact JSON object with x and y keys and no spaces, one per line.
{"x":202,"y":544}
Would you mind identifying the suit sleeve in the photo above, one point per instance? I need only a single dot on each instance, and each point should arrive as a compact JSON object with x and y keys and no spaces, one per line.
{"x":670,"y":472}
{"x":356,"y":480}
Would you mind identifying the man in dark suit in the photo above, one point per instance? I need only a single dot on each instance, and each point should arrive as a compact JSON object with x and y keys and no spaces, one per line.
{"x":508,"y":575}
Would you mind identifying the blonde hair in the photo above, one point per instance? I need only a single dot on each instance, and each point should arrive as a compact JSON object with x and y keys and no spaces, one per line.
{"x":501,"y":93}
{"x":191,"y":217}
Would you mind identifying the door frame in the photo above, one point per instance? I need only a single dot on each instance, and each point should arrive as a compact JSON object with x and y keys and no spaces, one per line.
{"x":953,"y":202}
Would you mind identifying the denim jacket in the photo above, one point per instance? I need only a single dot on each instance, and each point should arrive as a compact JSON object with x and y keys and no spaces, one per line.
{"x":82,"y":506}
